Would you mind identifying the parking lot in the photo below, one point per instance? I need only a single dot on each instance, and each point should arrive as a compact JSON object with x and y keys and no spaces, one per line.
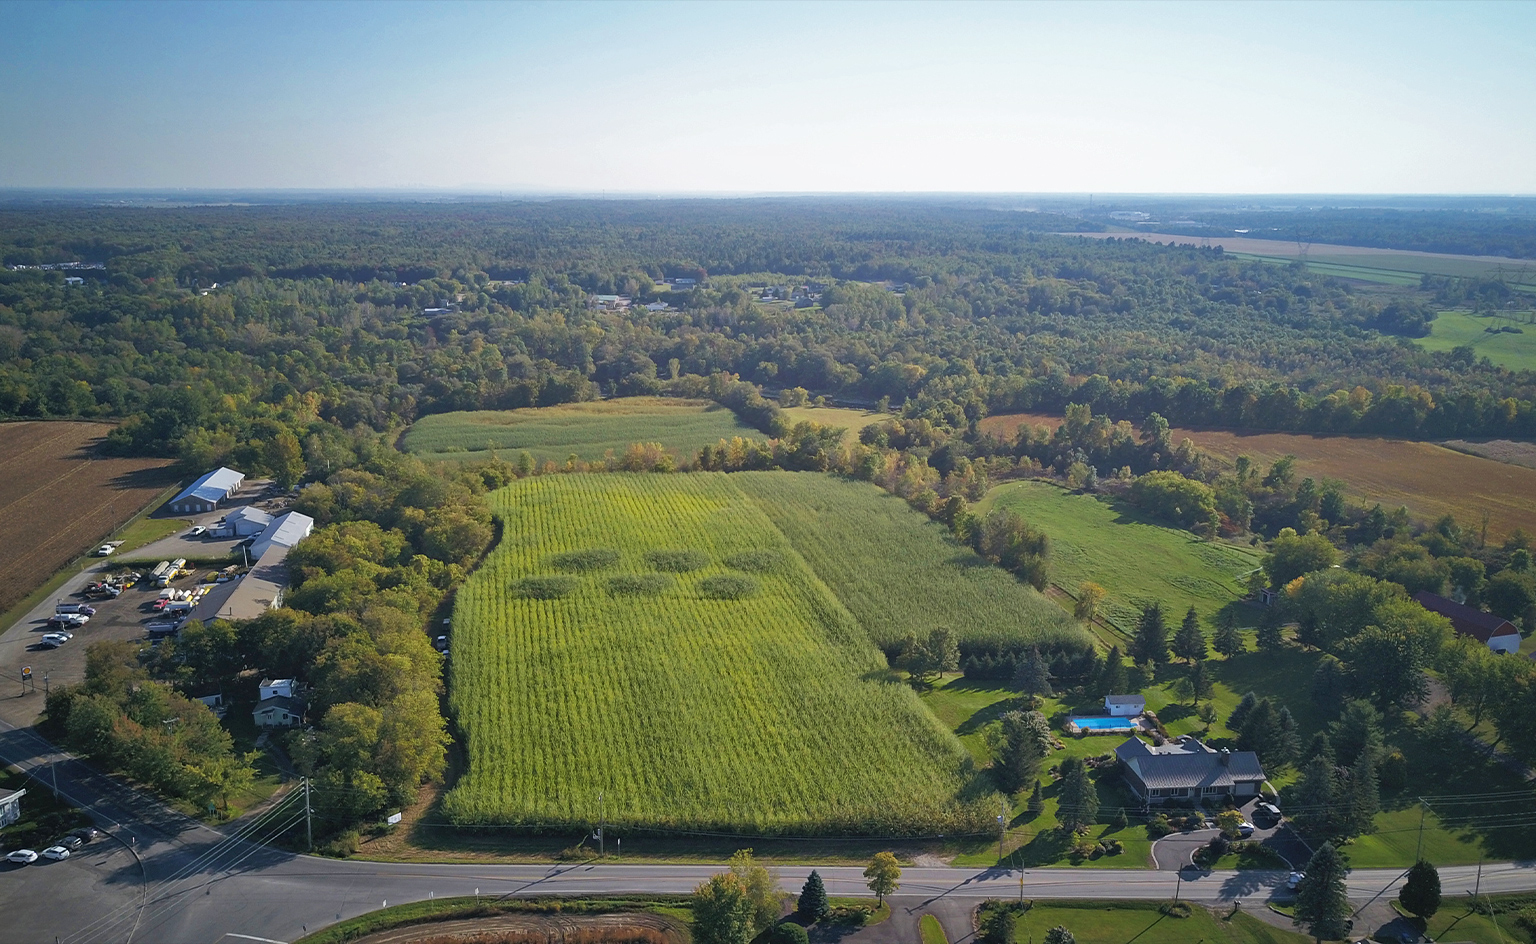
{"x":123,"y":618}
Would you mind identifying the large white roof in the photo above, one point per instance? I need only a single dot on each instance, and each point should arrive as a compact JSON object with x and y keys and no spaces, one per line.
{"x":248,"y":513}
{"x":213,"y":486}
{"x":287,"y":530}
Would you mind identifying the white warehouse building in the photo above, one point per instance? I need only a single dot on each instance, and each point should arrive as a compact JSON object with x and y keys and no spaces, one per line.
{"x":285,"y":531}
{"x":208,"y":491}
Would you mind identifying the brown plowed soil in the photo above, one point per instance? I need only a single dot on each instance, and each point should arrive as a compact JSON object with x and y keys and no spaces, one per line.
{"x":59,"y":497}
{"x":621,"y":928}
{"x":1430,"y":479}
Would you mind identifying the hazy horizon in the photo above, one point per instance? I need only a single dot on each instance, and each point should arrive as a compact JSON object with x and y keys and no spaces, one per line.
{"x":750,"y":99}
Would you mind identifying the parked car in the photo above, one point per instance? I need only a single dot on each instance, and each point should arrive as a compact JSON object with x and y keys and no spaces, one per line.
{"x":21,"y":856}
{"x":1245,"y":829}
{"x":67,"y":620}
{"x":1294,"y":880}
{"x":197,"y":532}
{"x":1268,"y":811}
{"x":87,"y":833}
{"x":53,"y":640}
{"x":56,"y":853}
{"x":104,"y":550}
{"x":72,"y":843}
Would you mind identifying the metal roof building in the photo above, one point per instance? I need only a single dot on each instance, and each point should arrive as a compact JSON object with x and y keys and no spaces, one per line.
{"x":246,"y":521}
{"x":285,"y":531}
{"x":206,"y":493}
{"x":251,"y":595}
{"x":1185,"y":769}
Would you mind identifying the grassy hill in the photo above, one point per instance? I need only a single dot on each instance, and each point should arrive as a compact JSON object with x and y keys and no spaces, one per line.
{"x":1132,"y":557}
{"x":654,"y":638}
{"x":587,"y":430}
{"x":899,"y":572}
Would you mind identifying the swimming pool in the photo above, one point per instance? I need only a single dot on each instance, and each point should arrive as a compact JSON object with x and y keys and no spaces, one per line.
{"x":1105,"y":724}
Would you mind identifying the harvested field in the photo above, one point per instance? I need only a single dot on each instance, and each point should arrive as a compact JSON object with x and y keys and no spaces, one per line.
{"x":1430,"y":479}
{"x":58,"y":498}
{"x":1499,"y":450}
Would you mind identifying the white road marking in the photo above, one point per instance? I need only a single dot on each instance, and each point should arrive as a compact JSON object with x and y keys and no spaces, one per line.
{"x":252,"y":937}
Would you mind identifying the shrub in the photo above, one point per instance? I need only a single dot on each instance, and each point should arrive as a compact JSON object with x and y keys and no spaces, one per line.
{"x":757,"y":562}
{"x":727,"y":587}
{"x":1177,"y":909}
{"x":1159,"y":826}
{"x":551,"y":587}
{"x":785,"y":932}
{"x":1112,"y":847}
{"x":855,"y":915}
{"x":640,"y":584}
{"x":598,"y":558}
{"x":677,"y":562}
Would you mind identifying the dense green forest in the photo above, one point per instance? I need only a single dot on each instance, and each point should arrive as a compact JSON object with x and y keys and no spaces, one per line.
{"x":267,"y":335}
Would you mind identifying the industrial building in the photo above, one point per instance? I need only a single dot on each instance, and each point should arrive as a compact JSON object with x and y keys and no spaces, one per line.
{"x":207,"y":492}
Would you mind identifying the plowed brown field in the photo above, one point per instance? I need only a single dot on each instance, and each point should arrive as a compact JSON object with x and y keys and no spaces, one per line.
{"x":1431,"y":480}
{"x":58,"y":498}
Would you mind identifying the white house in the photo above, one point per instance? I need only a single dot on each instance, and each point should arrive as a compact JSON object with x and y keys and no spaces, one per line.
{"x":206,"y":493}
{"x":1124,"y":706}
{"x":10,"y":806}
{"x":278,"y":688}
{"x":284,"y":531}
{"x":279,"y":712}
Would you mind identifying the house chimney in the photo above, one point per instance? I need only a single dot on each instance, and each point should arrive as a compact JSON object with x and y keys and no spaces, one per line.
{"x":1226,"y":757}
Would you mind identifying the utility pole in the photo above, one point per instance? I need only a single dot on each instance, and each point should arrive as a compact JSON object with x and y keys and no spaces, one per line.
{"x":1419,"y":853}
{"x":602,"y":839}
{"x":1479,"y":886}
{"x":1002,"y":827}
{"x":309,"y":828}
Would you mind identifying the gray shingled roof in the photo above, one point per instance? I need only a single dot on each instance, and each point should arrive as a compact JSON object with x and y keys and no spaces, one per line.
{"x":1188,"y":764}
{"x":1124,"y":700}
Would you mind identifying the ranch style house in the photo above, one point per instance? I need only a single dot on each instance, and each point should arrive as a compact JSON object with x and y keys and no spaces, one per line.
{"x":1186,"y":770}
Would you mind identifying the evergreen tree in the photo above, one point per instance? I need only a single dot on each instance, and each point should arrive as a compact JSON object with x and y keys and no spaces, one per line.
{"x":1240,"y":713}
{"x":1189,"y":641}
{"x":1288,"y":745}
{"x":1032,"y":677}
{"x":1270,"y":637}
{"x":1112,"y":675}
{"x":1364,"y":799}
{"x":1330,"y":685}
{"x":1036,"y":800}
{"x":1260,"y":730}
{"x":1200,"y":683}
{"x":1357,"y":731}
{"x":1320,"y":746}
{"x":1322,"y":903}
{"x":1059,"y":935}
{"x":1078,"y":805}
{"x":1228,"y":641}
{"x":1421,"y":893}
{"x":995,"y":925}
{"x":1019,"y":742}
{"x":813,"y":904}
{"x":1151,"y":641}
{"x":1315,"y":795}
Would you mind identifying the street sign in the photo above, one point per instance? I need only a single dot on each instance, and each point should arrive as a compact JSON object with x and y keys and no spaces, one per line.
{"x":26,"y":671}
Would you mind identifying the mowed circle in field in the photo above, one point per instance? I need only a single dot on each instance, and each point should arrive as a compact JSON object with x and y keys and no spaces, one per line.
{"x":59,"y":497}
{"x":589,"y":431}
{"x":714,"y":700}
{"x":1430,"y":479}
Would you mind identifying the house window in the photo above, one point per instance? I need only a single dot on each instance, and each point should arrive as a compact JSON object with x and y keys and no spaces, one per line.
{"x":1210,"y":791}
{"x":1155,"y":791}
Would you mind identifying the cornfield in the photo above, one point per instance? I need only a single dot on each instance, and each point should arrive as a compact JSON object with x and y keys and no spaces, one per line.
{"x":899,"y":572}
{"x":766,"y":712}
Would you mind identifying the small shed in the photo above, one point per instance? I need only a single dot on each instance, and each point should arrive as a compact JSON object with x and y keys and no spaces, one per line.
{"x":1124,"y":706}
{"x":10,"y":806}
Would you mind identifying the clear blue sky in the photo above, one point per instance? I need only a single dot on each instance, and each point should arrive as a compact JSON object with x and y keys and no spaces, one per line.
{"x":694,"y":97}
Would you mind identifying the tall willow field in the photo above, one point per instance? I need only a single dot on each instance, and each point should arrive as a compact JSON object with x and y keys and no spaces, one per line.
{"x":656,"y":639}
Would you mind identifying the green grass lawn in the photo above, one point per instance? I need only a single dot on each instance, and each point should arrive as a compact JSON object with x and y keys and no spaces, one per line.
{"x":147,"y":531}
{"x":1456,"y":328}
{"x":1116,"y":922}
{"x":1133,"y":557}
{"x":932,"y":931}
{"x":1458,"y":920}
{"x":587,"y":430}
{"x":849,"y":419}
{"x":899,"y":572}
{"x":44,"y":818}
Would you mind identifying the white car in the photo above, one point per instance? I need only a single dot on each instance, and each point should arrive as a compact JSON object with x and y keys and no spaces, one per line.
{"x":1294,"y":880}
{"x":54,"y":640}
{"x":1245,"y":829}
{"x":105,"y":549}
{"x":197,"y":532}
{"x":56,"y":853}
{"x":21,"y":857}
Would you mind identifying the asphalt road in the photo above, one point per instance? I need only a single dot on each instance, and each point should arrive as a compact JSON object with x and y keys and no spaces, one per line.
{"x":164,"y":878}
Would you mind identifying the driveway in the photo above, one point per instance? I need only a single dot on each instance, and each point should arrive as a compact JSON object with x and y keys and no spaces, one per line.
{"x":1174,"y":851}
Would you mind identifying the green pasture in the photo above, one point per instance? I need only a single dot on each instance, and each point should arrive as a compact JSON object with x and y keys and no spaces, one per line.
{"x":897,"y":571}
{"x":1133,"y":557}
{"x":1116,"y":922}
{"x":589,"y":431}
{"x":1507,"y":349}
{"x":727,"y":690}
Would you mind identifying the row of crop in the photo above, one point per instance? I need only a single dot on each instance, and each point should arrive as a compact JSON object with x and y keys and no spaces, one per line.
{"x":751,"y":715}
